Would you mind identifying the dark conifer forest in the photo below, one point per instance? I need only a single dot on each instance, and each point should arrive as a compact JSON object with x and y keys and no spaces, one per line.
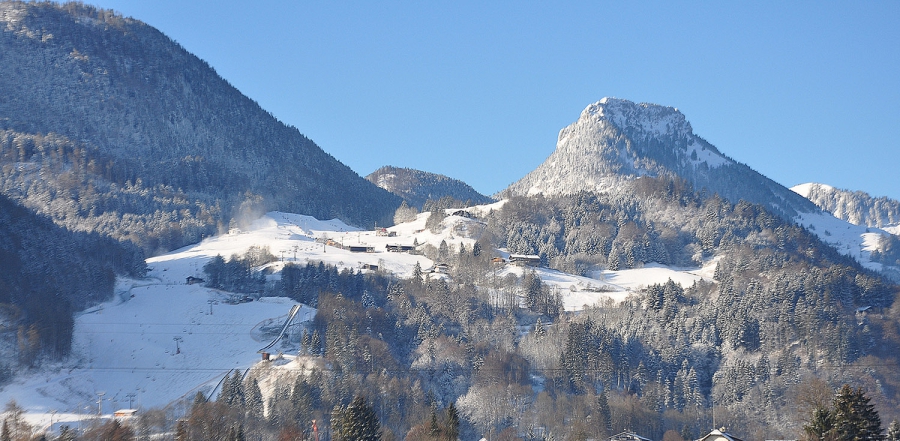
{"x":47,"y":273}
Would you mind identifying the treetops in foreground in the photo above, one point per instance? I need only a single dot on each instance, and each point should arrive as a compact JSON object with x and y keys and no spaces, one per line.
{"x":849,"y":417}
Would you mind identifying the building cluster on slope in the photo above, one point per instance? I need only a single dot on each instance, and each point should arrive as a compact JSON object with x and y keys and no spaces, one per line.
{"x":715,"y":435}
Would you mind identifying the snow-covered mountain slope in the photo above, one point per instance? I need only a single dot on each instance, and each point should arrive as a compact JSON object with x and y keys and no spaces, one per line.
{"x":615,"y":141}
{"x":577,"y":292}
{"x":161,"y":339}
{"x":856,"y":207}
{"x":856,"y":241}
{"x":127,"y":348}
{"x":855,"y":223}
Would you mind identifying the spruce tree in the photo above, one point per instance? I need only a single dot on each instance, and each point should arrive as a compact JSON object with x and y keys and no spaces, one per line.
{"x":254,"y":400}
{"x":417,"y":275}
{"x":539,"y":330}
{"x":232,"y":393}
{"x":452,"y":423}
{"x":226,"y":392}
{"x":821,"y":427}
{"x":305,"y":343}
{"x":302,"y":403}
{"x":315,"y":343}
{"x":856,"y":419}
{"x":199,"y":398}
{"x":433,"y":428}
{"x":604,"y":413}
{"x":357,"y":422}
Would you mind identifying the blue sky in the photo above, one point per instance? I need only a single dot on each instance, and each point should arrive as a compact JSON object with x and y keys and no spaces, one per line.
{"x":478,"y":91}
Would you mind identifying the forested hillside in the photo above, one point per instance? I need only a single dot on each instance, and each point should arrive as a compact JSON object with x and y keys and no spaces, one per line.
{"x":784,"y":321}
{"x":107,"y":125}
{"x":416,"y":187}
{"x":47,"y":274}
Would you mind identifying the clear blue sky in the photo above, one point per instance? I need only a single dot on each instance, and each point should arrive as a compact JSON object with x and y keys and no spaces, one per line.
{"x":478,"y":91}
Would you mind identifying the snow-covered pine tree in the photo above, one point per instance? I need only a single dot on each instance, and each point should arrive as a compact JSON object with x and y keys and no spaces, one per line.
{"x":893,"y":433}
{"x":604,"y":414}
{"x":855,"y":418}
{"x":232,"y":393}
{"x":255,"y":406}
{"x":356,"y":422}
{"x":417,"y":275}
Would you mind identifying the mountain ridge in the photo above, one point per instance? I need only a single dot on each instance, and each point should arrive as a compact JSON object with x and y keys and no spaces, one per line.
{"x":94,"y":102}
{"x":856,"y":207}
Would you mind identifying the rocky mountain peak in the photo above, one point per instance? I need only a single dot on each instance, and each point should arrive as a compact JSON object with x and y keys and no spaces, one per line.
{"x":649,"y":119}
{"x":615,"y":141}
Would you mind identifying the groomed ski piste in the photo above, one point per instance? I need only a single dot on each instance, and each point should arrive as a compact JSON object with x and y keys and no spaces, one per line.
{"x":160,"y":340}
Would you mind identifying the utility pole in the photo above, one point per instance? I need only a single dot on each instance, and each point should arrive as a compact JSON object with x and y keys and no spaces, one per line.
{"x":211,"y":302}
{"x":130,"y":396}
{"x":100,"y":403}
{"x":177,"y":347}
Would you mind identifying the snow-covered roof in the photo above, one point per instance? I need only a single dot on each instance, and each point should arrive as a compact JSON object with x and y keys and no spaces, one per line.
{"x":627,"y":436}
{"x":717,"y":434}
